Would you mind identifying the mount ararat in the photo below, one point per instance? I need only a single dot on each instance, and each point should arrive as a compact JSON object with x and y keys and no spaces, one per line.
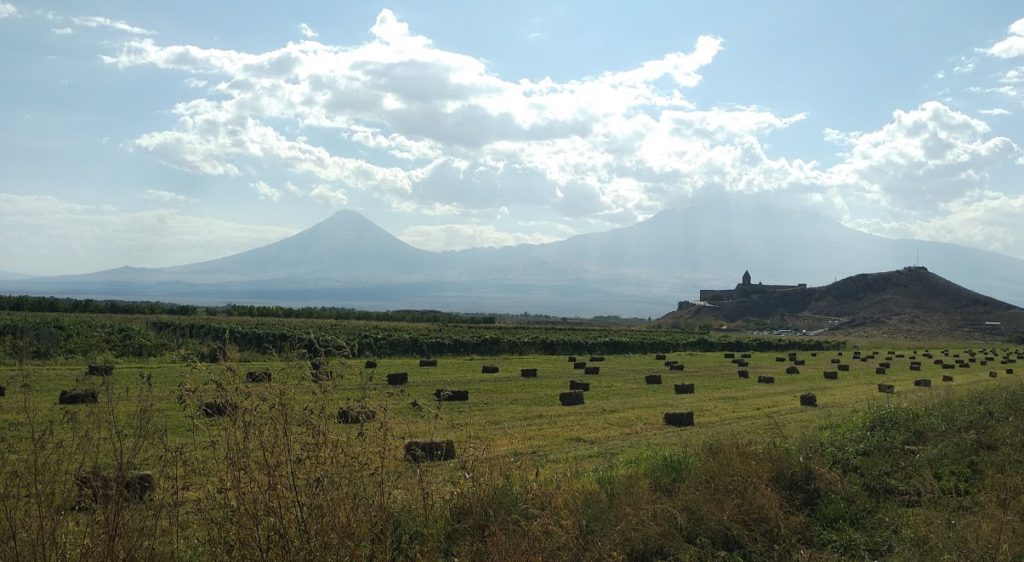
{"x":639,"y":270}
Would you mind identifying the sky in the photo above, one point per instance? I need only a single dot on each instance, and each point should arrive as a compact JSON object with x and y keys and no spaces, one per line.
{"x":156,"y":134}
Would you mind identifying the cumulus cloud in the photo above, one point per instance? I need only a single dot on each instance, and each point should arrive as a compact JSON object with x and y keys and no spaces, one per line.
{"x":62,"y":31}
{"x":461,"y":236}
{"x":267,"y":192}
{"x":167,"y":197}
{"x":994,"y":111}
{"x":1013,"y":45}
{"x":89,"y":237}
{"x":422,"y":126}
{"x":307,"y":31}
{"x":332,"y":197}
{"x":7,"y":10}
{"x":921,"y":159}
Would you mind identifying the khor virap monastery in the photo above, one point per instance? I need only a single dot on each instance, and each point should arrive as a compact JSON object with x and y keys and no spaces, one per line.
{"x":745,"y":289}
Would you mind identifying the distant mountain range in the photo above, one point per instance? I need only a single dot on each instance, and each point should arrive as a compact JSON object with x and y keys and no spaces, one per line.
{"x":909,"y":303}
{"x":640,"y":270}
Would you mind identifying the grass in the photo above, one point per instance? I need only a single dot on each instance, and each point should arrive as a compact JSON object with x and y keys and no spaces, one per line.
{"x":521,"y":417}
{"x":924,"y":474}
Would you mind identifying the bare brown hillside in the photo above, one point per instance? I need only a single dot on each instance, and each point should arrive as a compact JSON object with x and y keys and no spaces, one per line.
{"x":906,"y":303}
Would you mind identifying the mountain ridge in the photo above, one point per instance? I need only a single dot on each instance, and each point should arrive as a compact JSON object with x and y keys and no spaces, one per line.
{"x":636,"y":270}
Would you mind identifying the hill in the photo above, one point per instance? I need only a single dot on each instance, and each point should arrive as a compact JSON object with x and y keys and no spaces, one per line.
{"x":348,"y":261}
{"x":911,"y":303}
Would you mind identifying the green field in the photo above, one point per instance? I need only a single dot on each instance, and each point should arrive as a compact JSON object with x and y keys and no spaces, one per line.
{"x":509,"y":415}
{"x":861,"y":476}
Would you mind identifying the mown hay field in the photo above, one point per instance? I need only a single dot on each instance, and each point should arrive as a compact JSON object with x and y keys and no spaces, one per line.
{"x":508,"y":415}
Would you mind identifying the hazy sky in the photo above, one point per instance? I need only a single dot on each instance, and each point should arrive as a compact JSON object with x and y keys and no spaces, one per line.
{"x":154,"y":134}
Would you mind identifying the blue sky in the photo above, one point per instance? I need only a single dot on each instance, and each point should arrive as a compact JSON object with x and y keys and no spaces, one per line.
{"x":152,"y":135}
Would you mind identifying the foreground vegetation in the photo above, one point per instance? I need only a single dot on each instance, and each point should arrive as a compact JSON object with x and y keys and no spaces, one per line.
{"x":925,"y":474}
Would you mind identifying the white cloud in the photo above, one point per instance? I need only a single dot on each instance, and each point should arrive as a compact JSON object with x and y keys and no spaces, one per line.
{"x":167,"y":197}
{"x":994,"y":111}
{"x":461,"y":236}
{"x":1013,"y":45}
{"x":78,"y":238}
{"x":307,"y":31}
{"x":119,"y":25}
{"x":7,"y":10}
{"x":192,"y":82}
{"x":266,"y":192}
{"x":622,"y":144}
{"x":922,"y":158}
{"x":62,"y":31}
{"x":332,"y":197}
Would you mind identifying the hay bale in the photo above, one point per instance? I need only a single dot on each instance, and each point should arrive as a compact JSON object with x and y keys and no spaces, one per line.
{"x":256,"y":377}
{"x":947,"y":378}
{"x":429,"y":451}
{"x":685,"y":388}
{"x":579,"y":365}
{"x":96,"y":488}
{"x":679,"y":419}
{"x":428,"y":362}
{"x":216,"y":409}
{"x":834,"y":360}
{"x":572,"y":359}
{"x":597,"y":358}
{"x":370,"y":364}
{"x":914,"y":367}
{"x":444,"y":395}
{"x":3,"y":391}
{"x":799,"y":362}
{"x":743,"y":373}
{"x":964,"y":365}
{"x":808,"y":399}
{"x":1009,"y":371}
{"x":71,"y":397}
{"x":792,"y":370}
{"x":395,"y":379}
{"x":992,"y":374}
{"x":743,"y":363}
{"x":100,"y":370}
{"x":948,"y":366}
{"x":880,"y":370}
{"x":660,"y":357}
{"x":322,"y":375}
{"x":885,"y":365}
{"x":886,"y":388}
{"x":676,"y":367}
{"x":745,"y":356}
{"x":729,"y":356}
{"x":843,"y":367}
{"x":652,"y":379}
{"x":671,"y":362}
{"x":780,"y":359}
{"x":832,"y":375}
{"x":489,"y":369}
{"x":923,"y":382}
{"x":766,"y":379}
{"x":349,"y":416}
{"x":579,"y":385}
{"x":592,"y":370}
{"x":528,"y":373}
{"x":571,"y":398}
